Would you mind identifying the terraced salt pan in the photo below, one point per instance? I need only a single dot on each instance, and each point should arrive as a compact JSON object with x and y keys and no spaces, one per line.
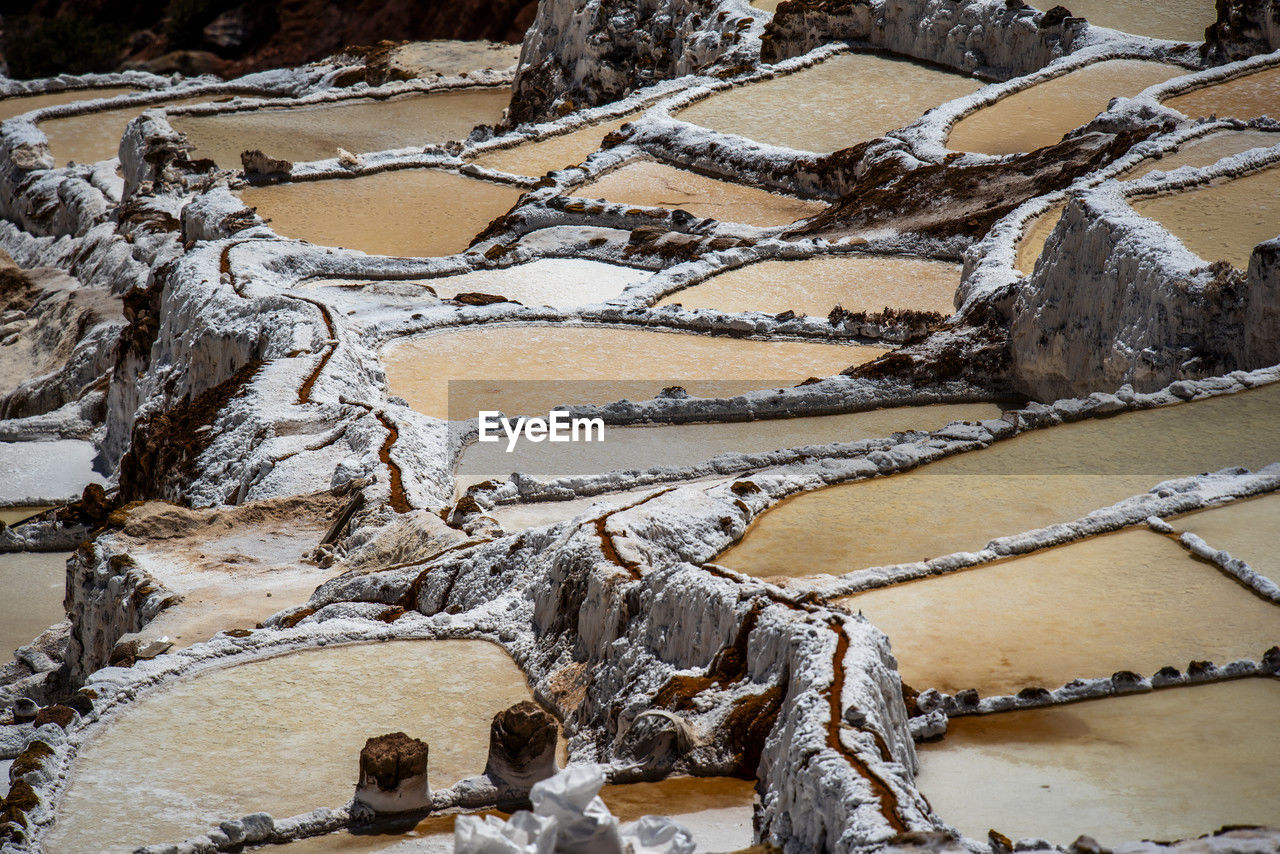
{"x":12,"y":515}
{"x":528,"y":369}
{"x":1256,"y":94}
{"x":538,"y":158}
{"x":1041,"y":115}
{"x":91,"y":137}
{"x":51,"y":470}
{"x":649,"y":183}
{"x":410,"y":213}
{"x":816,"y":285}
{"x":1248,"y":530}
{"x":1206,"y":150}
{"x":716,"y":810}
{"x":316,"y":132}
{"x":31,"y":589}
{"x":1177,"y":20}
{"x":1033,"y":239}
{"x":557,"y":282}
{"x":1222,"y":221}
{"x":685,"y":444}
{"x":840,"y":102}
{"x":1036,"y":479}
{"x":281,"y":735}
{"x":16,"y":106}
{"x":1133,"y":600}
{"x":1171,"y":764}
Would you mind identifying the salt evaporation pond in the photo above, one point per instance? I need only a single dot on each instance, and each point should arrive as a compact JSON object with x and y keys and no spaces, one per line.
{"x":16,"y":105}
{"x":1133,"y":600}
{"x":1042,"y":114}
{"x":409,"y":213}
{"x":1222,"y":221}
{"x":1041,"y":477}
{"x":525,"y":370}
{"x":281,"y":735}
{"x":316,"y":132}
{"x":547,"y":155}
{"x":649,"y":183}
{"x":91,"y":137}
{"x":1034,"y":236}
{"x":1246,"y":97}
{"x":645,"y":447}
{"x":557,"y":282}
{"x":837,"y":103}
{"x":55,"y":470}
{"x":1248,"y":530}
{"x":717,"y":811}
{"x":816,"y":285}
{"x":31,"y":591}
{"x":1171,"y":764}
{"x":1176,"y":20}
{"x":18,"y":513}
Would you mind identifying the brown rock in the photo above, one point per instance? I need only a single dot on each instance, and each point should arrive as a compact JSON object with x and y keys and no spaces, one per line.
{"x":388,"y":760}
{"x":256,"y":162}
{"x":60,"y":715}
{"x":522,"y":745}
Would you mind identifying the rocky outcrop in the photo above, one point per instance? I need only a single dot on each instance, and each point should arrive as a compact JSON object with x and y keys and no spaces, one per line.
{"x":393,"y":774}
{"x":522,"y":745}
{"x":1244,"y":28}
{"x":1262,"y":295}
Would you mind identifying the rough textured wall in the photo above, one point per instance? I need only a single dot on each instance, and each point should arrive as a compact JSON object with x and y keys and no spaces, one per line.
{"x":1244,"y":28}
{"x":1262,"y":335}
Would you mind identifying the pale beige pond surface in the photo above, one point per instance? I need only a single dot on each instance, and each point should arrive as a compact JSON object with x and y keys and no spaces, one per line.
{"x":1222,"y":221}
{"x":1044,"y":113}
{"x":558,"y":282}
{"x":316,"y":132}
{"x":1033,"y":239}
{"x":281,"y":735}
{"x":1133,"y":600}
{"x":1247,"y":97}
{"x":837,"y":103}
{"x":525,"y":370}
{"x":16,"y":106}
{"x":1248,"y":530}
{"x":91,"y":137}
{"x":683,"y":444}
{"x":658,"y":185}
{"x":1178,"y":20}
{"x":1033,"y":480}
{"x":816,"y":285}
{"x":410,"y":213}
{"x":1206,"y":151}
{"x":31,"y":590}
{"x":538,"y":158}
{"x":12,"y":515}
{"x":1171,"y":764}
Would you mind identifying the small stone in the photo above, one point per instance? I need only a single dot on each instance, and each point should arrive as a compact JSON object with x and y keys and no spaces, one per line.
{"x":59,"y":715}
{"x":233,"y":830}
{"x":258,"y":826}
{"x":968,"y":698}
{"x":522,"y":745}
{"x":24,"y":710}
{"x":393,"y":774}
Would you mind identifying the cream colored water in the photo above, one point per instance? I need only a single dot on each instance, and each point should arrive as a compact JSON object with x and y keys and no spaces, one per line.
{"x":1172,"y":764}
{"x":816,"y":285}
{"x":11,"y":515}
{"x":1246,"y":97}
{"x":16,"y":106}
{"x":1248,"y":530}
{"x":1133,"y":600}
{"x":716,"y":811}
{"x":1033,"y":239}
{"x":1045,"y":476}
{"x":593,"y":365}
{"x":1206,"y":151}
{"x":91,"y":137}
{"x":547,"y":155}
{"x":840,"y":102}
{"x":1177,"y":20}
{"x":316,"y":133}
{"x":684,"y":444}
{"x":414,"y":212}
{"x":281,"y":735}
{"x":658,"y":185}
{"x":1042,"y":114}
{"x":31,"y":591}
{"x":1222,"y":221}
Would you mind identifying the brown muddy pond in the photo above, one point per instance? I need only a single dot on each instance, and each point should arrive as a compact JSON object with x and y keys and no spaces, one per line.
{"x":1206,"y":150}
{"x":1248,"y":530}
{"x":837,"y":103}
{"x":1247,"y":97}
{"x":91,"y":137}
{"x":1033,"y":480}
{"x":657,"y":185}
{"x":525,"y":370}
{"x":547,"y":155}
{"x":32,"y":585}
{"x":1222,"y":221}
{"x":816,"y":285}
{"x":1042,"y":114}
{"x":408,"y":213}
{"x":229,"y":742}
{"x":1132,"y":600}
{"x":316,"y":132}
{"x":1177,"y":20}
{"x":16,"y":105}
{"x":1171,"y":764}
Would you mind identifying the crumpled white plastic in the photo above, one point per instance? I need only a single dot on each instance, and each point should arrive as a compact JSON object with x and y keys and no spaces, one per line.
{"x":569,"y":818}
